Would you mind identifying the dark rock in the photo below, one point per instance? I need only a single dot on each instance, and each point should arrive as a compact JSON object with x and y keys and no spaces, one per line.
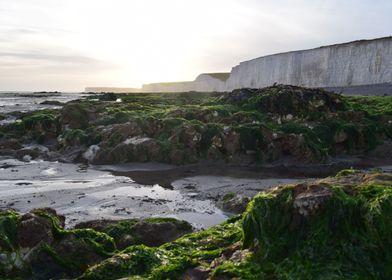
{"x":33,"y":229}
{"x":76,"y":114}
{"x":135,"y":149}
{"x":150,"y":232}
{"x":12,"y":144}
{"x":110,"y":96}
{"x":284,"y":100}
{"x":233,"y":203}
{"x":52,"y":102}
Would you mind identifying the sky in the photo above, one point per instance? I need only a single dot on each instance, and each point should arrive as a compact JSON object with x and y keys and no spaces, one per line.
{"x":68,"y":45}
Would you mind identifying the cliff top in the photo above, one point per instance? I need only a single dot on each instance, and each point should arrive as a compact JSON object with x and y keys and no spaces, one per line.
{"x":220,"y":76}
{"x":357,"y":42}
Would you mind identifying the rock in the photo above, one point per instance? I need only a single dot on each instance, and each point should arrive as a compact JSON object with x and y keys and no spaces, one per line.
{"x":288,"y":145}
{"x":231,"y":142}
{"x":12,"y":144}
{"x":91,"y":152}
{"x":186,"y":135}
{"x":310,"y":198}
{"x":110,"y":96}
{"x":36,"y":227}
{"x":197,"y":273}
{"x":383,"y":152}
{"x":33,"y":229}
{"x":25,"y":153}
{"x":176,"y":156}
{"x":151,"y":232}
{"x":116,"y":133}
{"x":134,"y":149}
{"x":233,"y":203}
{"x":36,"y":246}
{"x":340,"y":137}
{"x":52,"y":102}
{"x":287,"y":100}
{"x":73,"y":154}
{"x":77,"y":115}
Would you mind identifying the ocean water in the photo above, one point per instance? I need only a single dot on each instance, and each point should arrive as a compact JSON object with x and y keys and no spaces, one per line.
{"x":29,"y":101}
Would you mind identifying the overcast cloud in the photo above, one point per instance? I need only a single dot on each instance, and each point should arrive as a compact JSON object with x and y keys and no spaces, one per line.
{"x":67,"y":45}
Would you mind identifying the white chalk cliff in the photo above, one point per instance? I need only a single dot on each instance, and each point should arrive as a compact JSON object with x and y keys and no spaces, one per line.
{"x":365,"y":62}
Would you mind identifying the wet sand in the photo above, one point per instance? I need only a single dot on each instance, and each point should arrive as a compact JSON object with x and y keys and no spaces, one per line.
{"x":82,"y":193}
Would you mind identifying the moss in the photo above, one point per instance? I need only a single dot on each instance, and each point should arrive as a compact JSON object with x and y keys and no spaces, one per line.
{"x":228,"y":196}
{"x":347,"y":172}
{"x":87,"y":137}
{"x":170,"y":260}
{"x":69,"y":254}
{"x":181,"y":225}
{"x":372,"y":105}
{"x":8,"y":225}
{"x":347,"y":239}
{"x":135,"y":260}
{"x":251,"y":137}
{"x":208,"y":132}
{"x":44,"y":118}
{"x":250,"y":268}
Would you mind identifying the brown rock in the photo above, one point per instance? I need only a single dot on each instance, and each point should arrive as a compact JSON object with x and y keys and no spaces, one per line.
{"x":33,"y":229}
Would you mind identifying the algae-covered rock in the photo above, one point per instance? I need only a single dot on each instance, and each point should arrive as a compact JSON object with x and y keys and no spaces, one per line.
{"x":173,"y":260}
{"x":150,"y":232}
{"x":285,"y":100}
{"x":336,"y":228}
{"x":77,"y":114}
{"x":134,"y":149}
{"x":247,"y":126}
{"x":233,"y":203}
{"x":36,"y":246}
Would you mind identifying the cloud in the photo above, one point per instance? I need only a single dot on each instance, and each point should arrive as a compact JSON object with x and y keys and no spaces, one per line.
{"x":75,"y":59}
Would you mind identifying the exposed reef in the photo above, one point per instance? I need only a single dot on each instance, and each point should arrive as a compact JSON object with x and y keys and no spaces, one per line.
{"x":335,"y":228}
{"x":247,"y":126}
{"x":35,"y":245}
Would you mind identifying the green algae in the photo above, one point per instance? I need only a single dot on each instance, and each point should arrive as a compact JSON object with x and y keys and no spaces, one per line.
{"x":329,"y":126}
{"x":125,"y":232}
{"x":8,"y":236}
{"x":346,"y":239}
{"x":69,"y":253}
{"x":170,"y":260}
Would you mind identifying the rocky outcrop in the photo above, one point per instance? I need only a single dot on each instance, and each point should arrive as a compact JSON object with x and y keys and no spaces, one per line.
{"x":281,"y":123}
{"x":151,"y":232}
{"x":288,"y":100}
{"x":35,"y":245}
{"x":341,"y":223}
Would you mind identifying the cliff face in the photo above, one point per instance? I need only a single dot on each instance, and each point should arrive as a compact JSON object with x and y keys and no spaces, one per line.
{"x":355,"y":63}
{"x":204,"y":82}
{"x":366,"y":62}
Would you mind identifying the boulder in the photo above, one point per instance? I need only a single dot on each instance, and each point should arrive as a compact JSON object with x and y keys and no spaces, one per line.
{"x":151,"y":232}
{"x":33,"y":229}
{"x":284,"y":100}
{"x":77,"y":114}
{"x":233,"y":203}
{"x":134,"y":149}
